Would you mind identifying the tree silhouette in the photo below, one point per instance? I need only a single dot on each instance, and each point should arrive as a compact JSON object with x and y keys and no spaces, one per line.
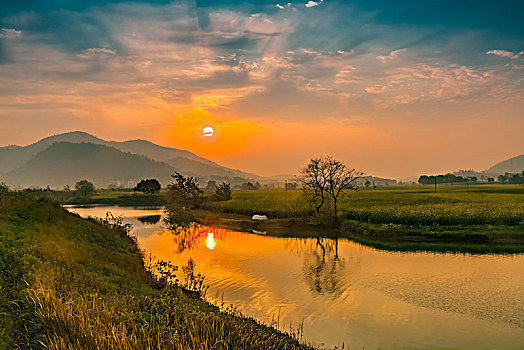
{"x":150,"y":186}
{"x":224,"y":191}
{"x":185,"y":191}
{"x":84,"y":189}
{"x":327,"y":177}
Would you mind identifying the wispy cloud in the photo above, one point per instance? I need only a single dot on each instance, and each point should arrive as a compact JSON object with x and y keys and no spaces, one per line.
{"x":10,"y":33}
{"x":282,"y":6}
{"x":505,"y":53}
{"x":96,"y":52}
{"x":391,"y":55}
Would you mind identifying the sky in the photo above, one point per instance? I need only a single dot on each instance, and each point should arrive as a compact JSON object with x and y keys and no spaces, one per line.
{"x":394,"y":89}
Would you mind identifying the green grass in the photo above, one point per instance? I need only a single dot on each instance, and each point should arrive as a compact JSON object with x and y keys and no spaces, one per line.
{"x":478,"y":205}
{"x":101,"y":196}
{"x":274,"y":203}
{"x":71,"y":283}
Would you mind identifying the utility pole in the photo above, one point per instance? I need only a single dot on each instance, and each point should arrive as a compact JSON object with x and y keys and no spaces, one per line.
{"x":435,"y":178}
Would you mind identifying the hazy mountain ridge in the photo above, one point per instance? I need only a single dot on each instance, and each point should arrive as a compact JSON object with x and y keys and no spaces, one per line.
{"x":514,"y":165}
{"x":26,"y":165}
{"x":13,"y":157}
{"x":64,"y":163}
{"x":511,"y":165}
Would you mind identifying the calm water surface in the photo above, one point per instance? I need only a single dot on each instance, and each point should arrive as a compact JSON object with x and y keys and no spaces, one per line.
{"x":346,"y":292}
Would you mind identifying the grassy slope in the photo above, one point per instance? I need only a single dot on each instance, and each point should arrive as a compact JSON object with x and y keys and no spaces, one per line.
{"x":70,"y":283}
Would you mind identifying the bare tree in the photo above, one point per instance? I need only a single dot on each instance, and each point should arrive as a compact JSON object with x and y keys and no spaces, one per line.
{"x":326,"y":177}
{"x":314,"y":180}
{"x":338,"y":177}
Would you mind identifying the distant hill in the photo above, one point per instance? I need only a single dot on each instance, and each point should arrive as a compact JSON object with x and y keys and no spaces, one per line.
{"x":65,"y":163}
{"x":512,"y":165}
{"x":14,"y":157}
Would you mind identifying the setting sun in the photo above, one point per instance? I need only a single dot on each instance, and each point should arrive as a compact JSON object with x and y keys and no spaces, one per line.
{"x":208,"y":131}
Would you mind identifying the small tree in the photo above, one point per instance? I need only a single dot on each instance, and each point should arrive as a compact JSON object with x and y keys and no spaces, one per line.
{"x":313,"y":181}
{"x":185,"y":191}
{"x":248,"y":186}
{"x":3,"y":187}
{"x":211,"y":186}
{"x":224,"y":191}
{"x":326,"y":177}
{"x":150,"y":186}
{"x":84,"y":189}
{"x":339,"y":178}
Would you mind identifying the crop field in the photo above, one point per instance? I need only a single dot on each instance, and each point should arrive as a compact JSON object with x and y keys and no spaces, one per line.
{"x":450,"y":205}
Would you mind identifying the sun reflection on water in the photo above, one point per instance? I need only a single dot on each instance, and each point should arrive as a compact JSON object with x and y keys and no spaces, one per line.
{"x":210,"y":241}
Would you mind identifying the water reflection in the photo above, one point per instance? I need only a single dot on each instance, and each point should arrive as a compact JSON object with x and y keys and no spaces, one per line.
{"x":367,"y":298}
{"x":347,"y":292}
{"x":210,"y":241}
{"x":190,"y":237}
{"x":322,"y":269}
{"x":149,"y":219}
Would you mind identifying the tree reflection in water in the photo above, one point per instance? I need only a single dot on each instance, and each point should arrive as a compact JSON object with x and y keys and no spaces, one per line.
{"x":149,"y":219}
{"x":187,"y":238}
{"x":323,"y":269}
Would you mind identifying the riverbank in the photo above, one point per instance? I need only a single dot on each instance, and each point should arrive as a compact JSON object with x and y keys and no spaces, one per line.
{"x":468,"y":239}
{"x":68,"y":282}
{"x":120,"y":198}
{"x":476,"y":219}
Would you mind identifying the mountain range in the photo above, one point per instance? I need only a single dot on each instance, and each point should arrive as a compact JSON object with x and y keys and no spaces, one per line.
{"x":63,"y":159}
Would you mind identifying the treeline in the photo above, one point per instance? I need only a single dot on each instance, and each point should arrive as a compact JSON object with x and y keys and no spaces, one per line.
{"x":447,"y":179}
{"x":508,"y":178}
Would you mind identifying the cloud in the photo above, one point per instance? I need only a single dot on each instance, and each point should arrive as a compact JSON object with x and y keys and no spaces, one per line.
{"x":156,"y":60}
{"x":504,"y":53}
{"x":391,"y":55}
{"x":342,"y":52}
{"x":220,"y":97}
{"x":10,"y":33}
{"x":346,"y":76}
{"x":376,"y":89}
{"x":96,"y":52}
{"x":282,"y":7}
{"x":313,"y":3}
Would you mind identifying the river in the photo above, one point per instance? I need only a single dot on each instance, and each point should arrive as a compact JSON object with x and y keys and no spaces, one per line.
{"x":346,"y":293}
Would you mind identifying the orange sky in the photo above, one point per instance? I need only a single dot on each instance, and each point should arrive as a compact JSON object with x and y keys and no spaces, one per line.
{"x":278,"y":84}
